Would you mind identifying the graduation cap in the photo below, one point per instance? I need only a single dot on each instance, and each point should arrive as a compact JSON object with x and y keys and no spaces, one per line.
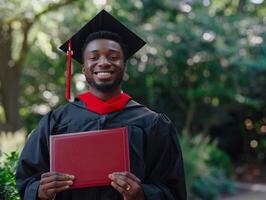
{"x":103,"y":21}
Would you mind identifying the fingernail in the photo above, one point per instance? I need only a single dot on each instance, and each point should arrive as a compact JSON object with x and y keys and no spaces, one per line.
{"x":110,"y":176}
{"x":71,"y":176}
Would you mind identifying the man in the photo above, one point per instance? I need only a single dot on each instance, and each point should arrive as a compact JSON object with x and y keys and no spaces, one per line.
{"x":156,"y":171}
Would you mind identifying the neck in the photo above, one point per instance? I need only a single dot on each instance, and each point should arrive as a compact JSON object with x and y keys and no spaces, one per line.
{"x":104,"y":96}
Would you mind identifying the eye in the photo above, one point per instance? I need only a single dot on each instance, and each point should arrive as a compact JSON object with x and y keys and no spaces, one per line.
{"x":93,"y":57}
{"x":113,"y":57}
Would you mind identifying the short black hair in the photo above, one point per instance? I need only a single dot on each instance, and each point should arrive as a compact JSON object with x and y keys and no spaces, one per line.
{"x":105,"y":35}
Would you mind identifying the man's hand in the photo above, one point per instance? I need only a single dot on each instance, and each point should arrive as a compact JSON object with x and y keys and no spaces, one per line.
{"x":128,"y":185}
{"x":53,"y":182}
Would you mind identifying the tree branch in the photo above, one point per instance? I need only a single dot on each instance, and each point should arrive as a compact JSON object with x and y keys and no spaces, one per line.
{"x":27,"y":24}
{"x":53,"y":6}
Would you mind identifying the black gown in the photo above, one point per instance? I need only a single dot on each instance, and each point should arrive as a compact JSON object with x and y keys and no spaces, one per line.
{"x":155,"y":154}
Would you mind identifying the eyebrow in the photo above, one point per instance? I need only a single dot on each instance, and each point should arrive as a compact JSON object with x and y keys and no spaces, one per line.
{"x":111,"y":50}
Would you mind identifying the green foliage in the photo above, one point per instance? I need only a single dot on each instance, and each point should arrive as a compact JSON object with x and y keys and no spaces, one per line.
{"x":195,"y":153}
{"x":210,"y":185}
{"x":220,"y":160}
{"x":7,"y":177}
{"x":202,"y":61}
{"x":206,"y":172}
{"x":210,"y":55}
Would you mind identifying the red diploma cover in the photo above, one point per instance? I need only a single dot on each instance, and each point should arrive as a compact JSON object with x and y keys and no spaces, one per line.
{"x":90,"y":156}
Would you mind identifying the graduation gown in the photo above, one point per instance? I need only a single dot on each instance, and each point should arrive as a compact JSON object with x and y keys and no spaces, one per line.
{"x":155,"y":154}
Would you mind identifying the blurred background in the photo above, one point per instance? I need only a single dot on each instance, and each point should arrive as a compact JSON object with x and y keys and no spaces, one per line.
{"x":204,"y":65}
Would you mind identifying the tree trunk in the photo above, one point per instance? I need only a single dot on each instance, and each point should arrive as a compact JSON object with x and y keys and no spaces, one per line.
{"x":10,"y":70}
{"x":9,"y":79}
{"x":189,"y":118}
{"x":241,"y":6}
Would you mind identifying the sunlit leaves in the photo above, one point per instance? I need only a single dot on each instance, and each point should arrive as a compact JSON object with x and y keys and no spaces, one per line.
{"x":204,"y":52}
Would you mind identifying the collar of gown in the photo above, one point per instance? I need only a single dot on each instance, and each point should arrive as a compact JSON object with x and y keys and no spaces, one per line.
{"x":104,"y":107}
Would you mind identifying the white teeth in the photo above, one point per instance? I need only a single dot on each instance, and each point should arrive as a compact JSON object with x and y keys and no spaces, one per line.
{"x":103,"y":75}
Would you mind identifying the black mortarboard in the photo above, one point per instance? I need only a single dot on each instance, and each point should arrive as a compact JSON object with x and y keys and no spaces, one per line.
{"x":103,"y":21}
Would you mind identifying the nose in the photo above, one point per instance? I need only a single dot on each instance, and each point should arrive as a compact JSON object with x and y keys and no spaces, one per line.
{"x":104,"y":62}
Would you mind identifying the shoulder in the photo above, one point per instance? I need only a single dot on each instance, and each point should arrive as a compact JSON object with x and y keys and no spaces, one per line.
{"x":142,"y":112}
{"x":134,"y":108}
{"x":63,"y":114}
{"x":71,"y":109}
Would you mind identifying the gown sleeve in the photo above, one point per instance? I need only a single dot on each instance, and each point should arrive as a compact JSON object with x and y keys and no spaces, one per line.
{"x":164,"y":164}
{"x":34,"y":160}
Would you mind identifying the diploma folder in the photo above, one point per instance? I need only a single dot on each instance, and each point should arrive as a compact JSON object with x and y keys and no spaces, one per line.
{"x":90,"y":156}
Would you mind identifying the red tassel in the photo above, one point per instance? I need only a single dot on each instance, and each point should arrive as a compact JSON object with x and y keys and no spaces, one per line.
{"x":68,"y":81}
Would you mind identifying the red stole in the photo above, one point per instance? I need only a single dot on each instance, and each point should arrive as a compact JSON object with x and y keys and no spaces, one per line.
{"x":104,"y":107}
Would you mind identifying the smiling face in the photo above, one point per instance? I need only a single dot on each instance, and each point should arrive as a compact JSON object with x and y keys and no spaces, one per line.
{"x":104,"y":65}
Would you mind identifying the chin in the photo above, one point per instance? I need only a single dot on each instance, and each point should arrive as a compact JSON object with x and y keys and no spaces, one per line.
{"x":106,"y":87}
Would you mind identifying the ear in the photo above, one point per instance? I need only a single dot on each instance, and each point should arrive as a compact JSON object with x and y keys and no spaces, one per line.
{"x":83,"y":69}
